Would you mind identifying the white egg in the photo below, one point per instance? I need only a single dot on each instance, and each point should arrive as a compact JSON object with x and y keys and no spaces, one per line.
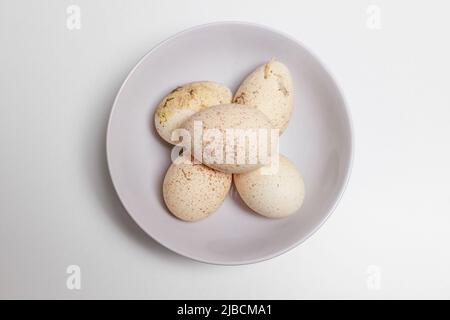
{"x":186,"y":100}
{"x":194,"y":191}
{"x":234,"y":138}
{"x":274,"y":195}
{"x":270,"y":89}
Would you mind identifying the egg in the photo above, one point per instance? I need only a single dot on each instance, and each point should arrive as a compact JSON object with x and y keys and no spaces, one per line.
{"x":186,"y":100}
{"x":231,"y":138}
{"x":194,"y":191}
{"x":270,"y":89}
{"x":275,"y":195}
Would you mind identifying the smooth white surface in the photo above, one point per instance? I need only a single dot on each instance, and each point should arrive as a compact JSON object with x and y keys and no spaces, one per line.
{"x":318,"y":140}
{"x":58,"y":207}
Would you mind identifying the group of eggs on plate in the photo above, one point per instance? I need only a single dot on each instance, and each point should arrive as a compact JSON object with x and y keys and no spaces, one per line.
{"x":264,"y":100}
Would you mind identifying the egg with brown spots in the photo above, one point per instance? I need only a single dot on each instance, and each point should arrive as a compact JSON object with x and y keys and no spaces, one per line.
{"x":186,"y":100}
{"x":231,"y":138}
{"x":270,"y":89}
{"x":194,"y":191}
{"x":273,"y":195}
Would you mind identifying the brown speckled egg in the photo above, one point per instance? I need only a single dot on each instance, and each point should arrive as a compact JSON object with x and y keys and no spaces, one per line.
{"x":194,"y":191}
{"x":270,"y":89}
{"x":274,"y":195}
{"x":244,"y":122}
{"x":186,"y":100}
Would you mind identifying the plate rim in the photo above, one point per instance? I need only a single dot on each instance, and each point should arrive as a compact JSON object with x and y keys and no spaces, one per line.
{"x":345,"y":109}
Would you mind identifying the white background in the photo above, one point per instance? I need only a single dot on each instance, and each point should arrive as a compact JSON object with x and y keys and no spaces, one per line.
{"x":58,"y":207}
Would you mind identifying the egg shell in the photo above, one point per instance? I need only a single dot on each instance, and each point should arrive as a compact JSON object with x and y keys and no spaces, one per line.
{"x":274,"y":196}
{"x":270,"y":89}
{"x":194,"y":191}
{"x":232,"y":116}
{"x":186,"y":100}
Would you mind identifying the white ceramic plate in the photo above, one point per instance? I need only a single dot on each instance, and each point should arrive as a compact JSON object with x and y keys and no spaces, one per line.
{"x":318,"y":140}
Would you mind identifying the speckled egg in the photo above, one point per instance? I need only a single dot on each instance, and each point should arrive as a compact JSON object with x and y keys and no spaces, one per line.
{"x":194,"y":191}
{"x":234,"y":138}
{"x":274,"y":195}
{"x":186,"y":100}
{"x":270,"y":89}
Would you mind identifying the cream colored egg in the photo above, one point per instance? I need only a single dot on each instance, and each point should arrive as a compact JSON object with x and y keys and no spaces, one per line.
{"x":272,"y":195}
{"x":231,"y":138}
{"x":194,"y":191}
{"x":270,"y":89}
{"x":186,"y":100}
